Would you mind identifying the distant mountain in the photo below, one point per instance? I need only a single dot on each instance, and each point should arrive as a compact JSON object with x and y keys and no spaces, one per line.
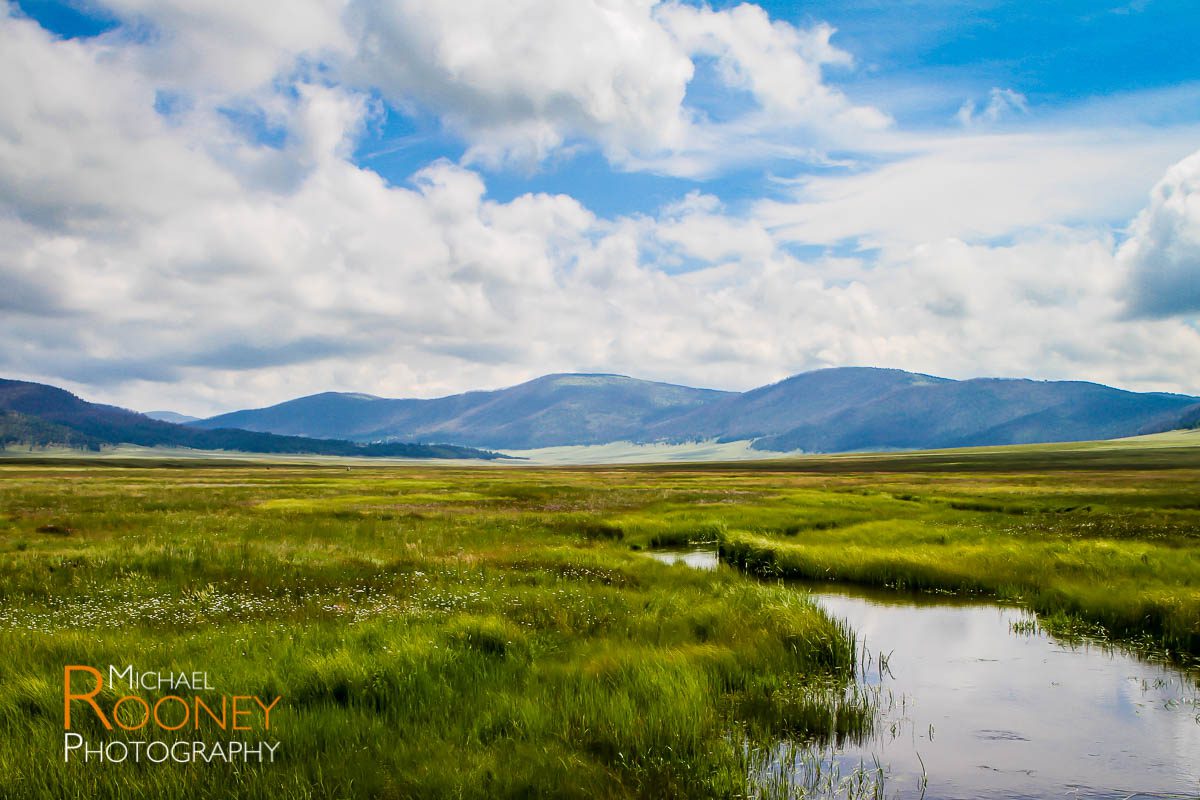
{"x":802,"y":399}
{"x":170,"y":416}
{"x":33,"y":413}
{"x":986,"y":411}
{"x":830,"y":410}
{"x":549,"y":411}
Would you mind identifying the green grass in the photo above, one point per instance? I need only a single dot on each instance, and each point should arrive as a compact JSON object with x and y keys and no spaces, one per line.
{"x":1115,"y":555}
{"x":432,"y":632}
{"x":453,"y":632}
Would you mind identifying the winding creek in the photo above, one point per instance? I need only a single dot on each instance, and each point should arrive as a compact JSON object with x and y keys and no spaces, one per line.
{"x":978,"y":702}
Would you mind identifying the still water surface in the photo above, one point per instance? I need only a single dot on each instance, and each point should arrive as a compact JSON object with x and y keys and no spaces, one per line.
{"x":995,"y":708}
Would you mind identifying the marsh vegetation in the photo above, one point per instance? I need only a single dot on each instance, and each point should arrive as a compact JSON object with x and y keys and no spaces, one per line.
{"x":499,"y":632}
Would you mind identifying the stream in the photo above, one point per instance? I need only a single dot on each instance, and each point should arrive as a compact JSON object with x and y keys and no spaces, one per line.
{"x":977,"y":702}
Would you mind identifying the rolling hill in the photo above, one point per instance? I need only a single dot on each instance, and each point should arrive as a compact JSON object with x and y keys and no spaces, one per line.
{"x":546,"y":412}
{"x":33,"y":413}
{"x":801,"y":399}
{"x":986,"y":411}
{"x":829,"y":410}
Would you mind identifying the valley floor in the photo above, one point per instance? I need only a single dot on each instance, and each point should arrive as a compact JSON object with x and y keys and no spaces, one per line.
{"x":480,"y":632}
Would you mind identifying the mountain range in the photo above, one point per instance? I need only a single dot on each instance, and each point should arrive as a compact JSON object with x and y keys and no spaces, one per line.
{"x":40,"y":415}
{"x":829,"y":410}
{"x":549,"y":411}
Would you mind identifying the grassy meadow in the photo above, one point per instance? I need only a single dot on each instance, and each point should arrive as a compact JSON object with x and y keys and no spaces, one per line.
{"x":499,"y":632}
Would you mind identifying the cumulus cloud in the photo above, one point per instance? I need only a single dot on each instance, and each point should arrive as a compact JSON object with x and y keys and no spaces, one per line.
{"x":224,"y":48}
{"x":80,"y":142}
{"x":780,"y":65}
{"x":1162,"y":253}
{"x":521,"y":80}
{"x":518,"y":82}
{"x":699,"y":229}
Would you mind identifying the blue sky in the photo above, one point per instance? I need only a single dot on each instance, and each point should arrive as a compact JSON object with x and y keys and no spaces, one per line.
{"x":893,"y":183}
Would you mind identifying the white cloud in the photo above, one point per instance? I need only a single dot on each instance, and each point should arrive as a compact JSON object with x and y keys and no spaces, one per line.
{"x":227,"y":48}
{"x":981,"y":186}
{"x":698,"y":228}
{"x":1163,"y":250}
{"x":520,"y":80}
{"x":1001,"y":103}
{"x":76,"y":149}
{"x":517,"y":80}
{"x":780,"y":65}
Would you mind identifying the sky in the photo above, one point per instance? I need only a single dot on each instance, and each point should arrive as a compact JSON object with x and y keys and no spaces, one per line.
{"x":208,"y":205}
